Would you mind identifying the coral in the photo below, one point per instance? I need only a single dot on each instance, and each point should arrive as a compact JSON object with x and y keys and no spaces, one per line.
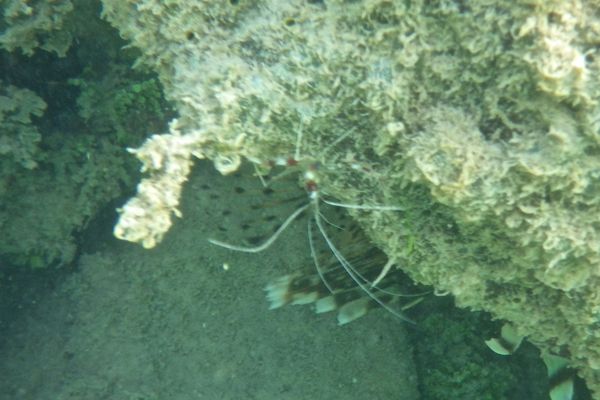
{"x":480,"y":118}
{"x":147,"y":217}
{"x":19,"y":137}
{"x":29,"y":24}
{"x":45,"y":209}
{"x":61,"y":143}
{"x":117,"y":104}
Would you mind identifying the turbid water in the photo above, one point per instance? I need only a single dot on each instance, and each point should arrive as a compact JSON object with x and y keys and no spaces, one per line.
{"x":188,"y":320}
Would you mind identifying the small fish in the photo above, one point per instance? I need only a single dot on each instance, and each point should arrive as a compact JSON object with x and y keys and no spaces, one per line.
{"x":349,"y":275}
{"x":329,"y":286}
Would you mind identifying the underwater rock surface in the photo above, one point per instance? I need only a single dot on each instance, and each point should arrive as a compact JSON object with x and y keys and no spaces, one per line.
{"x":481,"y":120}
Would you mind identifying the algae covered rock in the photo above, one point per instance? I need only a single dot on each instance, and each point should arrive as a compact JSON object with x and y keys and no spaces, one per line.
{"x":480,"y":119}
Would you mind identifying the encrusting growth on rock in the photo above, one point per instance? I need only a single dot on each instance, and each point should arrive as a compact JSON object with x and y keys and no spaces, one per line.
{"x":481,"y":119}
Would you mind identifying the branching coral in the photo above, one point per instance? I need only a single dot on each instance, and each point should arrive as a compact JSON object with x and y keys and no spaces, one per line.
{"x":19,"y":137}
{"x":29,"y":24}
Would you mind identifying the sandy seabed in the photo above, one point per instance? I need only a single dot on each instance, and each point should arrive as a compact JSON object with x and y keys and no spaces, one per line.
{"x":172,"y":323}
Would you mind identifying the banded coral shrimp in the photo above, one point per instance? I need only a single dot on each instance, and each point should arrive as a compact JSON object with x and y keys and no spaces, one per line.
{"x":367,"y":268}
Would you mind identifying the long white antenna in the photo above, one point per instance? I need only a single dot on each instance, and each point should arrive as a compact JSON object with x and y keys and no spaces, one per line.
{"x":353,"y":274}
{"x":269,"y":241}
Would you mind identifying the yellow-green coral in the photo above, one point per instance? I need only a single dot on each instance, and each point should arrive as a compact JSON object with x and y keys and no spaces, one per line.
{"x":19,"y":137}
{"x":29,"y":24}
{"x":59,"y":166}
